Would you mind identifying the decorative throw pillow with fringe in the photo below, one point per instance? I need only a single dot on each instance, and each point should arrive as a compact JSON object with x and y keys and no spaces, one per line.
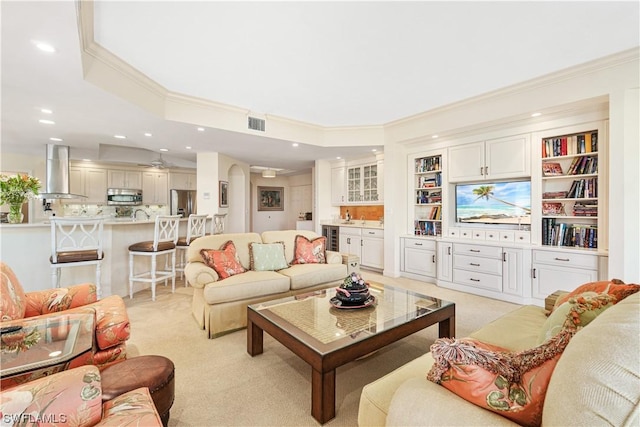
{"x":614,"y":287}
{"x":512,"y":384}
{"x":576,"y":313}
{"x":224,"y":261}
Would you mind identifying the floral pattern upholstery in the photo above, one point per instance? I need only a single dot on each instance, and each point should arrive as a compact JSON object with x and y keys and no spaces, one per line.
{"x":74,"y":397}
{"x":112,"y":326}
{"x":310,"y":251}
{"x":224,"y":261}
{"x":12,"y":298}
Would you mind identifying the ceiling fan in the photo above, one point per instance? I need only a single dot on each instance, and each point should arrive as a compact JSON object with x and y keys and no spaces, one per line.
{"x":158,"y":163}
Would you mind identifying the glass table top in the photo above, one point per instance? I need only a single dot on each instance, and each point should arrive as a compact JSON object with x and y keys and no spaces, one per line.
{"x":312,"y":319}
{"x":45,"y":341}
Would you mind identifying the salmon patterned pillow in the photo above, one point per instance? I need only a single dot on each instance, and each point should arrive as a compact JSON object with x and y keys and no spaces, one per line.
{"x":512,"y":384}
{"x":310,"y":251}
{"x":614,"y":287}
{"x":224,"y":261}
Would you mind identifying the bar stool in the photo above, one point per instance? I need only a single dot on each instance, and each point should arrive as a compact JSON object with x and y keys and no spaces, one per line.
{"x":165,"y":236}
{"x":217,"y":225}
{"x":196,"y":228}
{"x":76,"y":242}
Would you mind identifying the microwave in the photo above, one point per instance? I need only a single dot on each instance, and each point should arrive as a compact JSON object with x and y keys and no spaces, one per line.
{"x":124,"y":197}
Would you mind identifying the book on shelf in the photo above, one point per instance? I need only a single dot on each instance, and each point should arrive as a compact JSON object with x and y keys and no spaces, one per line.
{"x":551,"y":169}
{"x":573,"y":235}
{"x":428,"y":164}
{"x":555,"y":194}
{"x":427,"y":228}
{"x":552,"y":208}
{"x":586,"y":142}
{"x":586,"y":208}
{"x":583,"y":188}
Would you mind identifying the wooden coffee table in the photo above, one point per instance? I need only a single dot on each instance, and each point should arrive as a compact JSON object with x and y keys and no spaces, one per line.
{"x":327,"y":337}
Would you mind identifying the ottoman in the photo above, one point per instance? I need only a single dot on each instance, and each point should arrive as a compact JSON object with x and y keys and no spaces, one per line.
{"x":154,"y":372}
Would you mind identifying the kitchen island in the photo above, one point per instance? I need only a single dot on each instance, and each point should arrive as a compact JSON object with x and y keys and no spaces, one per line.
{"x":26,"y":248}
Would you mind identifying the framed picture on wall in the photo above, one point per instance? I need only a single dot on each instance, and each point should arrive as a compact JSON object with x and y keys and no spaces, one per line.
{"x":224,"y":194}
{"x":270,"y":198}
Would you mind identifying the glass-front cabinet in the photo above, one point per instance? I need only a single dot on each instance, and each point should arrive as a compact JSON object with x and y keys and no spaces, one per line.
{"x":363,"y":184}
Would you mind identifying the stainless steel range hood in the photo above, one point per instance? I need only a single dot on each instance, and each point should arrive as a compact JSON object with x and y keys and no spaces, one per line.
{"x":57,"y":178}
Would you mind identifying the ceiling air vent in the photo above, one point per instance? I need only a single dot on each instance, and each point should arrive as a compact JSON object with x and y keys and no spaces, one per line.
{"x":256,"y":124}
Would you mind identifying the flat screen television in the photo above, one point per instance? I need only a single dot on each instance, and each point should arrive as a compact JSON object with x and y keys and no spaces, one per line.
{"x":507,"y":202}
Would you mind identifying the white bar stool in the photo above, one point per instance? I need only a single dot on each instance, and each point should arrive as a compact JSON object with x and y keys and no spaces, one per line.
{"x":217,"y":225}
{"x":76,"y":242}
{"x":165,"y":237}
{"x":196,"y":228}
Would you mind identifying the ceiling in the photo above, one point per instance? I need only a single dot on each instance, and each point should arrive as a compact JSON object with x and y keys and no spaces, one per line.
{"x":329,"y":64}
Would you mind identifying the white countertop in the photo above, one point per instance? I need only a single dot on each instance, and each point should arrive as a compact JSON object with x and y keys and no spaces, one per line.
{"x":123,"y":221}
{"x":355,"y":224}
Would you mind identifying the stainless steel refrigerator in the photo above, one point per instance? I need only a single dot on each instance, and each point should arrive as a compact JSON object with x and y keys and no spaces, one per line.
{"x":183,"y":202}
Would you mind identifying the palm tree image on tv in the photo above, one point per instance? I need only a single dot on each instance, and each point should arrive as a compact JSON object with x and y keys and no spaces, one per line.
{"x":500,"y":202}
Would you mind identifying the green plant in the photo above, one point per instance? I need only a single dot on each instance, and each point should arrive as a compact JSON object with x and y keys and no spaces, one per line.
{"x":18,"y":188}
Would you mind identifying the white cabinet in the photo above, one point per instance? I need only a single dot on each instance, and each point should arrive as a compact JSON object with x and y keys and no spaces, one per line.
{"x":182,"y":181}
{"x":125,"y":179}
{"x":419,"y":257}
{"x":155,"y":189}
{"x":494,"y":159}
{"x":351,"y":241}
{"x":372,"y":248}
{"x":337,"y":186}
{"x":444,"y":260}
{"x":561,"y":270}
{"x":490,"y":268}
{"x":364,"y":184}
{"x":88,"y":182}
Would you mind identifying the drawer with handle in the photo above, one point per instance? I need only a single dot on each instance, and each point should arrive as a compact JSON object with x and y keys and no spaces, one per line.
{"x":478,"y":280}
{"x":478,"y":250}
{"x":484,"y":265}
{"x":566,"y":259}
{"x":420,"y":244}
{"x":372,"y":232}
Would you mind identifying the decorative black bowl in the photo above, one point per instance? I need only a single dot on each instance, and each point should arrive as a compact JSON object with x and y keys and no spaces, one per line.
{"x":352,"y":296}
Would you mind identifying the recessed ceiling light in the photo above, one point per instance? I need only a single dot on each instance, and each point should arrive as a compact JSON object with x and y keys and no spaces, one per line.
{"x":188,"y":147}
{"x":119,"y":136}
{"x":147,"y":134}
{"x":374,"y":150}
{"x":86,"y":160}
{"x":55,"y":139}
{"x":200,"y":129}
{"x":338,"y":157}
{"x":46,"y":111}
{"x":45,"y":47}
{"x":536,"y":114}
{"x":47,"y":122}
{"x":434,"y":136}
{"x":295,"y":144}
{"x":164,"y":149}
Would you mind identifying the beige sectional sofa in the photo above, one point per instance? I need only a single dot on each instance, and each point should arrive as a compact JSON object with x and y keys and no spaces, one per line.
{"x":596,"y":380}
{"x":220,"y":306}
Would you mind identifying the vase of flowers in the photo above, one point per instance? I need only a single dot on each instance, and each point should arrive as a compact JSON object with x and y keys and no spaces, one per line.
{"x":16,"y":190}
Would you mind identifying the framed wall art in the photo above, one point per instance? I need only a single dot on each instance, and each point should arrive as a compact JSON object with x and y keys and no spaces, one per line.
{"x":270,"y":198}
{"x":224,"y":194}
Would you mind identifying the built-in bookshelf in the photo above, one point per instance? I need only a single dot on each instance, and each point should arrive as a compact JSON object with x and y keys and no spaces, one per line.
{"x":428,"y":196}
{"x":570,"y":190}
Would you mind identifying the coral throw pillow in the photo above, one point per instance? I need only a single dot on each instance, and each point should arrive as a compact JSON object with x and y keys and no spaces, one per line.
{"x":224,"y":261}
{"x":511,"y":384}
{"x":310,"y":251}
{"x":614,"y":287}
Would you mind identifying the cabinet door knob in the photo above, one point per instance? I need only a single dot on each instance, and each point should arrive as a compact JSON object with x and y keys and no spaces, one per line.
{"x":534,"y":273}
{"x":481,"y":170}
{"x":433,"y":259}
{"x":449,"y":250}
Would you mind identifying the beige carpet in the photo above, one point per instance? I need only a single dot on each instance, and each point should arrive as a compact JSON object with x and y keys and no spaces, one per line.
{"x":219,"y":384}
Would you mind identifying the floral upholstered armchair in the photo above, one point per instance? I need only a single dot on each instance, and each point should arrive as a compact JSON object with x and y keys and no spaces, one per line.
{"x":74,"y":397}
{"x":111,"y":322}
